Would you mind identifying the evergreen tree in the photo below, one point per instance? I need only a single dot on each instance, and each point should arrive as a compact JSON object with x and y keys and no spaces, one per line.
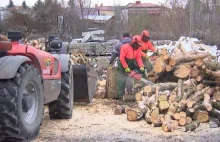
{"x":24,"y":5}
{"x":11,"y":4}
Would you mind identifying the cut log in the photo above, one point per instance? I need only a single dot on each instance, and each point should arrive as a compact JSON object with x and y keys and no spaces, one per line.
{"x":119,"y":110}
{"x":155,"y":115}
{"x":127,"y":109}
{"x":212,"y":65}
{"x":199,"y":78}
{"x":138,"y":96}
{"x":194,"y":72}
{"x":190,"y":82}
{"x":216,"y":112}
{"x":187,"y":58}
{"x":213,"y":74}
{"x":188,"y":93}
{"x":159,"y":65}
{"x":182,"y":121}
{"x":148,"y":117}
{"x":191,"y":127}
{"x":158,"y":124}
{"x":199,"y":62}
{"x":206,"y":103}
{"x":163,"y":86}
{"x":163,"y":98}
{"x":135,"y":114}
{"x":173,"y":108}
{"x":176,"y":116}
{"x":216,"y":96}
{"x":168,"y":126}
{"x":202,"y":116}
{"x":163,"y":105}
{"x":168,"y":68}
{"x":191,"y":104}
{"x":199,"y":87}
{"x":182,"y":114}
{"x":172,"y":98}
{"x":179,"y":90}
{"x":166,"y":57}
{"x":188,"y":120}
{"x":196,"y":97}
{"x":182,"y":71}
{"x":211,"y":91}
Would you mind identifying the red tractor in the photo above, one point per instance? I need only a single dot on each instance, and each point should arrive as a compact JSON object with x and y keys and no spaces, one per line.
{"x":31,"y":78}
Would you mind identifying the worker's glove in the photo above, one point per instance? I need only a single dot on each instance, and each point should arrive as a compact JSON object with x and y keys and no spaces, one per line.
{"x":147,"y":57}
{"x":142,"y":69}
{"x":127,"y":70}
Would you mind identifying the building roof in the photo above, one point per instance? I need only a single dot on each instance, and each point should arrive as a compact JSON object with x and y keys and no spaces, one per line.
{"x":106,"y":8}
{"x":141,"y":5}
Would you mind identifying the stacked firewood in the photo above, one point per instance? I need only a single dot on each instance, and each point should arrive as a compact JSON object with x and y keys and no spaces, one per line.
{"x":188,"y":96}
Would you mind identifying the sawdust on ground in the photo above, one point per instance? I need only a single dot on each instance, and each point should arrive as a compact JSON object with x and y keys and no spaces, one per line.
{"x":96,"y":122}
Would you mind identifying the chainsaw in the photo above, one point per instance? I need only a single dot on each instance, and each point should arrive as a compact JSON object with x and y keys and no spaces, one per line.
{"x":136,"y":75}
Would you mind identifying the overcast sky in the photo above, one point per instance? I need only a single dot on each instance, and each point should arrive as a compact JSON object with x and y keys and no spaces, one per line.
{"x":105,"y":2}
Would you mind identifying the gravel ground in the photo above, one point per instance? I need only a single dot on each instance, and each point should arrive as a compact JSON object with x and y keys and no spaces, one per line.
{"x":96,"y":122}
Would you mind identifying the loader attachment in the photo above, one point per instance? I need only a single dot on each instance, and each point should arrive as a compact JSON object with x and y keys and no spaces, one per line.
{"x":85,"y":81}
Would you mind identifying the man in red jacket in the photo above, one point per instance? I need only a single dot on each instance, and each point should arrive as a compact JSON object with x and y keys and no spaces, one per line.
{"x":130,"y":59}
{"x":146,"y":45}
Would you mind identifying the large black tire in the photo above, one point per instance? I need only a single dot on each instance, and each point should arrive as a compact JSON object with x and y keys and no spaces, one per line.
{"x":17,"y":123}
{"x":62,"y":107}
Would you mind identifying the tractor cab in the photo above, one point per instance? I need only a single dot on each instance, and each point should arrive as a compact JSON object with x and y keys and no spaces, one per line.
{"x":55,"y":45}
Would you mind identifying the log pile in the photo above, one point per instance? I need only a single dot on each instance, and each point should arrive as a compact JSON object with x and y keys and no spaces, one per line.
{"x":186,"y":91}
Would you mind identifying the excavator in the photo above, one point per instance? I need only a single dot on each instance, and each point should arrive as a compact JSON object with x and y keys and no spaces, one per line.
{"x":31,"y":78}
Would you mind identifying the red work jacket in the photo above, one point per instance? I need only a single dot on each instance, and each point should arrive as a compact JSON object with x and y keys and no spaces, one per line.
{"x":145,"y":47}
{"x":127,"y":52}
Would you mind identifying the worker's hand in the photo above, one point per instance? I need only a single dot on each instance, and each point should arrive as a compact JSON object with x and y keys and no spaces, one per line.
{"x":127,"y":70}
{"x":142,"y":69}
{"x":147,"y":57}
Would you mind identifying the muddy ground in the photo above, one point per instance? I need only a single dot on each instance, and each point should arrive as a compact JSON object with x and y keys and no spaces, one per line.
{"x":96,"y":122}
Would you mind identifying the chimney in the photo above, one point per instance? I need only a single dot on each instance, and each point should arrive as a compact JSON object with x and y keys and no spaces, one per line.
{"x":138,"y":2}
{"x":101,"y":4}
{"x":96,"y":5}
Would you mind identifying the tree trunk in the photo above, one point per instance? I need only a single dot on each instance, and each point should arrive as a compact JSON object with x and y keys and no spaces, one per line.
{"x":138,"y":96}
{"x":179,"y":90}
{"x":187,"y":58}
{"x":202,"y":116}
{"x":155,"y":115}
{"x":129,"y":98}
{"x":135,"y":114}
{"x":158,"y":124}
{"x":182,"y":71}
{"x":212,"y":65}
{"x":119,"y":110}
{"x":188,"y":120}
{"x":163,"y":86}
{"x":216,"y":112}
{"x":214,"y":74}
{"x":159,"y":65}
{"x":191,"y":127}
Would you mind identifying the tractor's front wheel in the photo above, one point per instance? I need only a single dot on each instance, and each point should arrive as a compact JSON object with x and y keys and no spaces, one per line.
{"x":62,"y":107}
{"x":21,"y":105}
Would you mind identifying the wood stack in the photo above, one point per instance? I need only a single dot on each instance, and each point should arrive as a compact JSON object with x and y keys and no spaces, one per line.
{"x":79,"y":58}
{"x":188,"y":96}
